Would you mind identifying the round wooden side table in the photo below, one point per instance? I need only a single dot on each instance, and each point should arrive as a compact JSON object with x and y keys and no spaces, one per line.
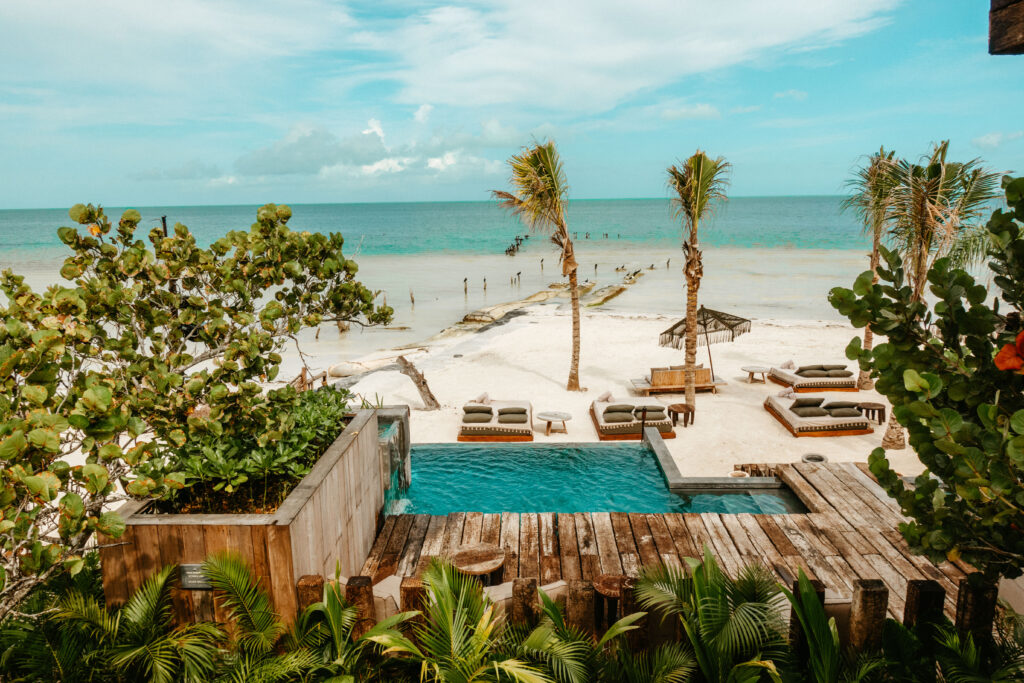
{"x":873,"y":411}
{"x":485,"y":560}
{"x":677,"y":409}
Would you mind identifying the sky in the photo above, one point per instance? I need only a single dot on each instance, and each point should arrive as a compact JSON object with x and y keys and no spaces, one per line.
{"x":138,"y":102}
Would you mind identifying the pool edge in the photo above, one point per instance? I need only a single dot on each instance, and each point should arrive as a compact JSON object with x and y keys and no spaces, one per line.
{"x":678,"y":484}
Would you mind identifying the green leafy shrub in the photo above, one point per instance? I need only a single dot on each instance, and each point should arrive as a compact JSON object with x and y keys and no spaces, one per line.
{"x":961,"y":403}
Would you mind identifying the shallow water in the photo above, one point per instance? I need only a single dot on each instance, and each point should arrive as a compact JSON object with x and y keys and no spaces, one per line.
{"x":494,"y":478}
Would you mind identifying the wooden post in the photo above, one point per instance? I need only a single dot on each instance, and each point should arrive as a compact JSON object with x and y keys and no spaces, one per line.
{"x":867,"y":614}
{"x":976,"y":609}
{"x":797,"y":641}
{"x":359,"y":593}
{"x":524,"y":601}
{"x":627,"y":605}
{"x":925,"y":598}
{"x":579,"y":606}
{"x":1006,"y":27}
{"x":412,"y":598}
{"x":309,"y":590}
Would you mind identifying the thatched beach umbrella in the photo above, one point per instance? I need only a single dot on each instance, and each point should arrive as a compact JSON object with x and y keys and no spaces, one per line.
{"x":712,"y":326}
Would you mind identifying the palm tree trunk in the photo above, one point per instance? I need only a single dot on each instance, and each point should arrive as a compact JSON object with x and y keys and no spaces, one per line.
{"x":693,"y":271}
{"x":893,"y":439}
{"x":864,"y":381}
{"x":574,"y":365}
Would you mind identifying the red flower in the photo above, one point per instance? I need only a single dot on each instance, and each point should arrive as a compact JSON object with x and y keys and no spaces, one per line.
{"x":1011,"y":356}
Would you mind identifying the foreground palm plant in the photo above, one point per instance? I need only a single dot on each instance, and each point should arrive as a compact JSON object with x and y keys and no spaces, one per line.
{"x":696,"y":184}
{"x":870,"y":188}
{"x":539,"y":198}
{"x":733,"y":627}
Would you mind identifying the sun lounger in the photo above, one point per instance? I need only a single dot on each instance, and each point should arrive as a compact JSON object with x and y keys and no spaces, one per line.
{"x":673,"y":381}
{"x":612,"y":429}
{"x":495,"y":428}
{"x":824,"y":425}
{"x":808,"y":382}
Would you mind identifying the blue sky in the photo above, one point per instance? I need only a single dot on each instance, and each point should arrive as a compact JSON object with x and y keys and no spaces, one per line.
{"x":138,"y":102}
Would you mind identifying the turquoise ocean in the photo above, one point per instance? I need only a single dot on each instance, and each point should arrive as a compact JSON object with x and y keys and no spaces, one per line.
{"x":765,"y":257}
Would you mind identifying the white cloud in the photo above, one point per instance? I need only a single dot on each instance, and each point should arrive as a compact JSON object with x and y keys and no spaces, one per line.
{"x":691,"y":111}
{"x":520,"y":52}
{"x":386,"y":165}
{"x":442,"y":162}
{"x":373,"y":127}
{"x":791,"y":94}
{"x":423,"y":113}
{"x":996,"y":140}
{"x":308,"y":149}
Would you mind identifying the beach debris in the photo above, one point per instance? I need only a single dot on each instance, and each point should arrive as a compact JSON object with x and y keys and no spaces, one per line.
{"x":485,"y":284}
{"x":343,"y":326}
{"x":465,"y":285}
{"x":410,"y":371}
{"x":412,"y":299}
{"x":604,"y":294}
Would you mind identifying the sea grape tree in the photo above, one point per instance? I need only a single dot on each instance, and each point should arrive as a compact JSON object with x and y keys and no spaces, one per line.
{"x":151,"y":343}
{"x":951,"y":366}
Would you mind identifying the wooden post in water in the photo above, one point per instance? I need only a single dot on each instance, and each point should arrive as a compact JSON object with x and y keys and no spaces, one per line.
{"x":524,"y":601}
{"x":867,"y":614}
{"x":579,"y":605}
{"x":359,"y":593}
{"x":309,"y":589}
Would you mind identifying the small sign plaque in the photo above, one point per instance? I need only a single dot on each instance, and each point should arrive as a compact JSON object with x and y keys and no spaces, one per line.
{"x":192,"y":577}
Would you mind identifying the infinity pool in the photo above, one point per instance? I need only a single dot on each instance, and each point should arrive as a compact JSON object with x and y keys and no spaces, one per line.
{"x":568,"y":478}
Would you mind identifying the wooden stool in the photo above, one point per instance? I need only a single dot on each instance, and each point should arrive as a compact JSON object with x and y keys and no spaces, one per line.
{"x":677,"y":409}
{"x":607,"y":592}
{"x":485,"y":560}
{"x":873,"y":411}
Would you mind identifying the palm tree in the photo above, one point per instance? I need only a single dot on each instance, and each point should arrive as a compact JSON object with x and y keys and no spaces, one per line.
{"x":539,"y":199}
{"x":934,"y":208}
{"x":696,"y":183}
{"x":871,"y":186}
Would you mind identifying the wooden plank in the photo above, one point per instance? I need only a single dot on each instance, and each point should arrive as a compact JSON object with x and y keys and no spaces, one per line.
{"x":644,"y":540}
{"x":433,"y":540}
{"x":794,"y":479}
{"x":410,"y":557}
{"x":550,"y":562}
{"x":529,"y":546}
{"x":748,"y":552}
{"x":663,"y":540}
{"x":698,"y":534}
{"x":1006,"y":28}
{"x":568,"y":548}
{"x":841,"y":500}
{"x":453,"y":533}
{"x":870,"y":486}
{"x":778,"y":537}
{"x":805,"y":547}
{"x":491,"y":530}
{"x":215,"y":537}
{"x":388,"y":565}
{"x":473,"y":527}
{"x":684,"y":544}
{"x":835,"y":583}
{"x":377,"y":549}
{"x":147,"y":551}
{"x":510,"y":542}
{"x":586,"y":542}
{"x":767,"y":551}
{"x":724,"y":549}
{"x":891,"y":555}
{"x":858,"y":492}
{"x":193,"y":551}
{"x":821,"y":542}
{"x":607,"y":548}
{"x":282,"y":580}
{"x":624,"y":542}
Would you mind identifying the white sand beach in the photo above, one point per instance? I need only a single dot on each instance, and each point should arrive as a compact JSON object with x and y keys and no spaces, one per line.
{"x":527,"y":357}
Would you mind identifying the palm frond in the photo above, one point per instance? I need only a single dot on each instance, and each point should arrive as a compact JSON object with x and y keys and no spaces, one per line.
{"x":258,"y":627}
{"x":696,"y":184}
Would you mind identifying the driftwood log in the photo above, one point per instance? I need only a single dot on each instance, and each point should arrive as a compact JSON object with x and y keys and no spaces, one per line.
{"x":410,"y":371}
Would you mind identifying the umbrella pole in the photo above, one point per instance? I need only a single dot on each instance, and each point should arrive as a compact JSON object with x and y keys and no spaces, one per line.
{"x":707,"y":341}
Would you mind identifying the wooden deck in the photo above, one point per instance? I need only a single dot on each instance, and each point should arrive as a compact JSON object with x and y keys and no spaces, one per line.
{"x":849,"y":533}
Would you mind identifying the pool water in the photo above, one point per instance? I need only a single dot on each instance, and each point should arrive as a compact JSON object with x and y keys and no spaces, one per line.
{"x":569,"y":478}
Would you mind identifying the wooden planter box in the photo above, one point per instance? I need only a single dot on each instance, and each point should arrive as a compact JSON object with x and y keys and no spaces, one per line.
{"x":329,"y":519}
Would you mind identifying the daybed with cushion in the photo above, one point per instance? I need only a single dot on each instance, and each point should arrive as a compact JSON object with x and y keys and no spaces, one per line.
{"x":814,"y":378}
{"x":673,"y":380}
{"x":620,"y":419}
{"x":488,"y":420}
{"x":807,"y":416}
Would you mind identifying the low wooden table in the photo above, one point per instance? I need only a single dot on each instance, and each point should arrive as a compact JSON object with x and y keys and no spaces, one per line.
{"x":677,"y":409}
{"x":752,"y":370}
{"x":607,"y":592}
{"x":485,"y":560}
{"x":553,"y":416}
{"x":873,"y":411}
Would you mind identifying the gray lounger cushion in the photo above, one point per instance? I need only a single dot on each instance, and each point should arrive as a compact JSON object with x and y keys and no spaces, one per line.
{"x":512,"y":410}
{"x":619,"y":408}
{"x":806,"y":401}
{"x":812,"y":373}
{"x":651,"y":415}
{"x":473,"y":418}
{"x":840,"y":404}
{"x":512,"y":418}
{"x":800,"y":370}
{"x":840,"y":373}
{"x":618,"y":416}
{"x":476,"y":408}
{"x":809,"y":411}
{"x":833,"y":367}
{"x":844,"y":412}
